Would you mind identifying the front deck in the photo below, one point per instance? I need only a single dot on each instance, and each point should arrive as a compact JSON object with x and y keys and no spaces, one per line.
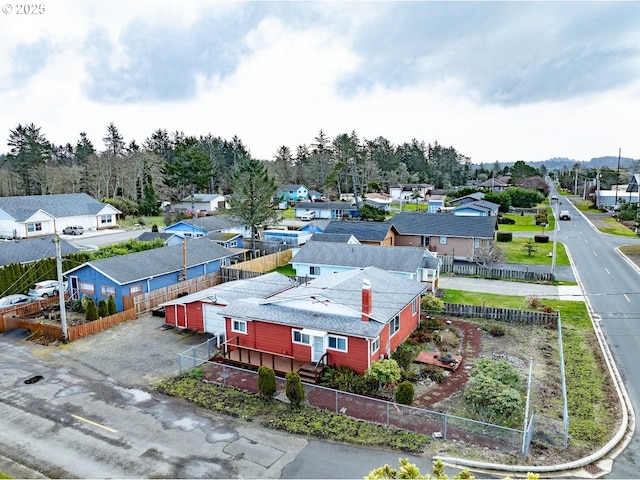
{"x":235,"y":354}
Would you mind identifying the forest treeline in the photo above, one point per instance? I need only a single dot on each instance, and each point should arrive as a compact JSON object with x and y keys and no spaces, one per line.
{"x":170,"y":166}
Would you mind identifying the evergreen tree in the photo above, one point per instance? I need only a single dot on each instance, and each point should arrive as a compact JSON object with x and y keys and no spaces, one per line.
{"x":266,"y":381}
{"x":253,"y":193}
{"x":91,"y":310}
{"x":103,"y":309}
{"x":294,"y":389}
{"x":111,"y":306}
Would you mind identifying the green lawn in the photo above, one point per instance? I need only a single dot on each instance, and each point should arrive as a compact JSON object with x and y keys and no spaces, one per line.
{"x":616,"y":228}
{"x":527,"y":223}
{"x":142,"y":220}
{"x":514,"y":252}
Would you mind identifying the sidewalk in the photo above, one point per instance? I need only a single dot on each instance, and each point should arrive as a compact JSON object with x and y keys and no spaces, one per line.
{"x":569,"y":292}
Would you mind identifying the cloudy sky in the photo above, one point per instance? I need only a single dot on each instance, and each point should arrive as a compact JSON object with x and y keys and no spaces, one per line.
{"x":501,"y":81}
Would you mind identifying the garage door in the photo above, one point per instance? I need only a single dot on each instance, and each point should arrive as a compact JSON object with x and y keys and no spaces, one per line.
{"x":213,"y":323}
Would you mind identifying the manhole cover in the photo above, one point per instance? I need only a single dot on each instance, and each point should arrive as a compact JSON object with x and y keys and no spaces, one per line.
{"x":34,"y":379}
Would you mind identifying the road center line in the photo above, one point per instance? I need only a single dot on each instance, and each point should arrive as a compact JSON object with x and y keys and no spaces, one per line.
{"x":108,"y":429}
{"x":595,"y":254}
{"x":607,"y":270}
{"x":625,"y":296}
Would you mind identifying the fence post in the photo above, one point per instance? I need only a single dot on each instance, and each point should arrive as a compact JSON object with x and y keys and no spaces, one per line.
{"x":180,"y":363}
{"x":444,"y":433}
{"x":336,"y":401}
{"x":388,"y":414}
{"x":194,"y":356}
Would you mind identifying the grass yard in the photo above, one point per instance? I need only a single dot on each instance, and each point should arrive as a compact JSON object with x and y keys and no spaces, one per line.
{"x":615,"y":228}
{"x":527,"y":223}
{"x":514,"y":252}
{"x":130,"y":221}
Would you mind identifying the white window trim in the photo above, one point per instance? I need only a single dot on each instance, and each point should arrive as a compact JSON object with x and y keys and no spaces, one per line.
{"x":392,"y":323}
{"x":239,"y":322}
{"x":375,"y":345}
{"x":302,"y":335}
{"x":443,"y":240}
{"x":338,"y":337}
{"x":414,"y":306}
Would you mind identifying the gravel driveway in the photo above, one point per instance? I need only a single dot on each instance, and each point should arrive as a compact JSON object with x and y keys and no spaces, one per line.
{"x":132,"y":354}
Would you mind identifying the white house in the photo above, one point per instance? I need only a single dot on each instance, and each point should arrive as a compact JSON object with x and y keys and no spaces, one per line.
{"x":202,"y":202}
{"x":37,"y":215}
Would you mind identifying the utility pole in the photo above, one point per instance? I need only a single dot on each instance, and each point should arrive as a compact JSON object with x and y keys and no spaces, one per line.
{"x":555,"y":235}
{"x":618,"y":175}
{"x":61,"y":290}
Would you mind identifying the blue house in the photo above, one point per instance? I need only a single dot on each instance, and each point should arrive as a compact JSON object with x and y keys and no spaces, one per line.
{"x":201,"y":226}
{"x":168,"y":238}
{"x":293,"y":193}
{"x":142,"y":272}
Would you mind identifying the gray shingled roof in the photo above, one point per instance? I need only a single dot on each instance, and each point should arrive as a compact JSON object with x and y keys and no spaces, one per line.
{"x":479,"y":205}
{"x":59,"y":205}
{"x":257,"y":287}
{"x":201,"y":197}
{"x":148,"y":236}
{"x":363,"y":231}
{"x":32,"y":249}
{"x":332,"y":237}
{"x":326,"y":206}
{"x":389,"y":293}
{"x":439,"y":224}
{"x":391,"y":259}
{"x":138,"y":266}
{"x":213,"y":223}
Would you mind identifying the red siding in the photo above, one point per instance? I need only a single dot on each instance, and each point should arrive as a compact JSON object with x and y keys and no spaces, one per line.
{"x":195,"y":316}
{"x":170,"y":315}
{"x":408,"y":323}
{"x":355,"y":357}
{"x":274,"y":338}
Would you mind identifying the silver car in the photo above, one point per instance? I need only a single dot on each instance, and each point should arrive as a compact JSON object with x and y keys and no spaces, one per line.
{"x":17,"y":299}
{"x":46,"y":289}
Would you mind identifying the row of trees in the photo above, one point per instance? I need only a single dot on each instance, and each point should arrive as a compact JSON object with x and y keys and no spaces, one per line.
{"x":172,"y":165}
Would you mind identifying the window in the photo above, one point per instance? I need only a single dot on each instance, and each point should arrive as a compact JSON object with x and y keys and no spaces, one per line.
{"x":443,"y":240}
{"x":338,"y":343}
{"x":394,"y":326}
{"x":476,"y":242}
{"x":106,"y":219}
{"x":314,"y":270}
{"x":414,"y":306}
{"x":107,"y":290}
{"x":88,"y":288}
{"x":135,"y":289}
{"x":233,"y":243}
{"x":375,"y":345}
{"x":299,"y":337}
{"x":34,"y":227}
{"x":239,"y":326}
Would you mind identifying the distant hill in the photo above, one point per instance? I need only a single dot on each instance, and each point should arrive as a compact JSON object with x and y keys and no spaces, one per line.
{"x":561,"y":162}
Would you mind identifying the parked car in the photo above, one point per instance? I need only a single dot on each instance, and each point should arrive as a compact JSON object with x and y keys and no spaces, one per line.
{"x":73,"y":230}
{"x":565,"y":215}
{"x":307,"y":216}
{"x":46,"y":289}
{"x":16,"y":299}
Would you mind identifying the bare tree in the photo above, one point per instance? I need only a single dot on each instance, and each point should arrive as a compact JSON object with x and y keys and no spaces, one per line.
{"x":488,"y":253}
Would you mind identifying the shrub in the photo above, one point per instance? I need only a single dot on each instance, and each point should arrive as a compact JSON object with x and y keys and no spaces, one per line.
{"x":154,"y":228}
{"x":533,"y":302}
{"x":404,"y":393}
{"x":448,"y":340}
{"x":547,"y":309}
{"x":431,"y":323}
{"x":541,"y":218}
{"x":385,"y":372}
{"x":103,"y":309}
{"x":506,"y":221}
{"x":266,"y":381}
{"x":433,"y":373}
{"x":541,"y":238}
{"x":91,"y":312}
{"x":111,"y":306}
{"x":347,"y":380}
{"x":504,"y":236}
{"x":431,"y":304}
{"x":294,"y":389}
{"x":404,"y":356}
{"x":409,"y":373}
{"x":496,"y":330}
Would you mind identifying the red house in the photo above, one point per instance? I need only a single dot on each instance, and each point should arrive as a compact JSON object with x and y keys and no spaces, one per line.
{"x":350,"y":318}
{"x":200,"y":310}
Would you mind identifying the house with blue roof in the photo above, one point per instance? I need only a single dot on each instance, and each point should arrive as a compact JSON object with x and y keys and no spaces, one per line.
{"x":143,"y":272}
{"x":478,"y":208}
{"x":167,"y":238}
{"x":201,"y":226}
{"x":37,"y":215}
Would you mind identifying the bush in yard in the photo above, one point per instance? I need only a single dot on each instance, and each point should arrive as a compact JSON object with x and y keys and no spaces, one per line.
{"x":541,"y":238}
{"x":533,"y":302}
{"x":431,"y":305}
{"x":404,"y":393}
{"x":294,"y":389}
{"x":111,"y":306}
{"x":504,"y":237}
{"x":541,"y":219}
{"x":433,"y":373}
{"x":385,"y":372}
{"x":496,"y":330}
{"x":500,"y":370}
{"x":266,"y":381}
{"x":529,"y":248}
{"x":103,"y":309}
{"x":506,"y":221}
{"x":404,"y":356}
{"x":347,"y":380}
{"x":91,"y":312}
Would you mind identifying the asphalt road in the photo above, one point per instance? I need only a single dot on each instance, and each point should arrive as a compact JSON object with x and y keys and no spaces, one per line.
{"x":612,"y":290}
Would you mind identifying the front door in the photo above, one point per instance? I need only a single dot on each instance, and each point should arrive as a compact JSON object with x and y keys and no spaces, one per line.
{"x":74,"y":291}
{"x":317,"y":348}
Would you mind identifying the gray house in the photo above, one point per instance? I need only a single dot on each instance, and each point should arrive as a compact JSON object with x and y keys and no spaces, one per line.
{"x":323,"y":258}
{"x":29,"y":250}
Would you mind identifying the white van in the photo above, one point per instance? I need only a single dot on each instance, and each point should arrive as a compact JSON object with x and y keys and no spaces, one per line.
{"x":307,"y":216}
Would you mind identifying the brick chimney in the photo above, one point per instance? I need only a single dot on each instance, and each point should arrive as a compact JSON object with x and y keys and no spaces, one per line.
{"x":366,"y":300}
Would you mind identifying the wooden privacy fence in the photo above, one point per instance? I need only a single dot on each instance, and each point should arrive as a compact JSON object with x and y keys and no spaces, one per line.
{"x":473,"y":270}
{"x":146,"y":301}
{"x":496,"y":313}
{"x":74,"y":332}
{"x":266,"y":263}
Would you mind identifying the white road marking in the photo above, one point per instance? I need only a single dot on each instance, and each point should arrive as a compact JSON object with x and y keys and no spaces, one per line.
{"x":606,"y":270}
{"x":595,"y":254}
{"x":108,"y":429}
{"x":625,"y":296}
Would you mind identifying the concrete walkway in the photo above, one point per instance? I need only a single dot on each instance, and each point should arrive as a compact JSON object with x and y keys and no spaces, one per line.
{"x":570,"y":292}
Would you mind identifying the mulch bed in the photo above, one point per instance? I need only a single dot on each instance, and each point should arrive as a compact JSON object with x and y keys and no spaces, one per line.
{"x":471,"y":344}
